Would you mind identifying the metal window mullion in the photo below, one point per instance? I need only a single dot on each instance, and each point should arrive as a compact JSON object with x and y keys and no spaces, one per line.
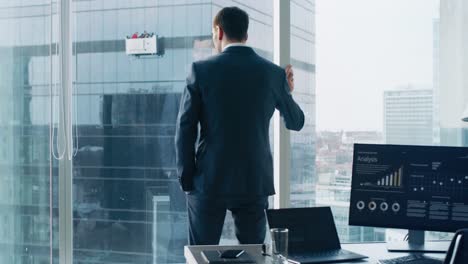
{"x":282,"y":142}
{"x":65,"y":165}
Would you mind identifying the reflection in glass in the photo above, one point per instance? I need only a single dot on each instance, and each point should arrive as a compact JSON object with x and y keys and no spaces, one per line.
{"x":128,"y":207}
{"x":303,"y":175}
{"x":28,"y":214}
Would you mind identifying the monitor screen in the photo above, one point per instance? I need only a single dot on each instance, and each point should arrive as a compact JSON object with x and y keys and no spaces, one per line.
{"x":410,"y":187}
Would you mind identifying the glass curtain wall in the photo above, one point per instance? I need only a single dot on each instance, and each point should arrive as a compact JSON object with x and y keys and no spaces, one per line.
{"x":127,"y":204}
{"x":303,"y":176}
{"x":28,"y":174}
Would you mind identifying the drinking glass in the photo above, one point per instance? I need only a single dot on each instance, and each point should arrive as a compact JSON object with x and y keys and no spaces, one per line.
{"x":279,"y":241}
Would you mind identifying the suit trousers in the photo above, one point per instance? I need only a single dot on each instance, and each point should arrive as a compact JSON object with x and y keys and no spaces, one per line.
{"x":206,"y":219}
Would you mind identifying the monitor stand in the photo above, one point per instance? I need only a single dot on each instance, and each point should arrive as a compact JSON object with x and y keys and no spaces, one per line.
{"x":416,"y":243}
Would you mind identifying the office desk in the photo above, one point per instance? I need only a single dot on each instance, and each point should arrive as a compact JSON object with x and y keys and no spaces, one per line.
{"x":374,"y":251}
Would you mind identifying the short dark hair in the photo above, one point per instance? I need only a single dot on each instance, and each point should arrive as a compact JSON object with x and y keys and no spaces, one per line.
{"x":234,"y":22}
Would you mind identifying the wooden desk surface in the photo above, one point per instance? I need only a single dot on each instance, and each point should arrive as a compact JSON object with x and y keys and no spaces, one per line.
{"x":374,"y":251}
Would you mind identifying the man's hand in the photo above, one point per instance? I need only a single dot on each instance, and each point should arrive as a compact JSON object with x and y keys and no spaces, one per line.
{"x":185,"y":184}
{"x":290,"y":76}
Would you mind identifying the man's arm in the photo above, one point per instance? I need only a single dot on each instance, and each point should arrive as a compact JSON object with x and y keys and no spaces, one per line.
{"x":187,"y":131}
{"x":291,"y":112}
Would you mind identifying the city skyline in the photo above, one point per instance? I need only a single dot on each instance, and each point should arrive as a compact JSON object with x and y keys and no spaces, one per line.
{"x":394,"y":50}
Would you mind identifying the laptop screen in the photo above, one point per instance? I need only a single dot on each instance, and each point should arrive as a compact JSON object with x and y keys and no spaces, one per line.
{"x":310,"y":229}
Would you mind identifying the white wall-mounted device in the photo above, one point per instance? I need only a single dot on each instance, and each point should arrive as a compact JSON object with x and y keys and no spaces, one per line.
{"x":144,"y":46}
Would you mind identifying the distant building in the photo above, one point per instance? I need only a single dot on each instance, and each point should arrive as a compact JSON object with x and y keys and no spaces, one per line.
{"x":408,"y":116}
{"x":333,"y":187}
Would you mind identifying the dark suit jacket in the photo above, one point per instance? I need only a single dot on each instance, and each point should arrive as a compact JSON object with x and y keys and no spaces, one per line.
{"x":233,"y":96}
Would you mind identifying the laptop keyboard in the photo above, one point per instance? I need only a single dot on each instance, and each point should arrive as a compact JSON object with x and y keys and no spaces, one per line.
{"x":412,"y":259}
{"x":321,"y":254}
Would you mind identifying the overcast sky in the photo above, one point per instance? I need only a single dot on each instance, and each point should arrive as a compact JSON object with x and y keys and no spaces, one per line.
{"x":365,"y":47}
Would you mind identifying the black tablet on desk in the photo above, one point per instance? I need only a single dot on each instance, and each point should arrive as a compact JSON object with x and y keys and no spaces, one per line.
{"x":214,"y":257}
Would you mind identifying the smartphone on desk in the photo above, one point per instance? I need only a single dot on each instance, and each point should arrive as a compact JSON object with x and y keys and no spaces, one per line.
{"x":231,"y":253}
{"x":227,"y":256}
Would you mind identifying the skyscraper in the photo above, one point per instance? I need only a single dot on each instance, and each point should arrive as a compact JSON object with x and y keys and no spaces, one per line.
{"x":303,"y":57}
{"x":127,"y":205}
{"x":408,"y":116}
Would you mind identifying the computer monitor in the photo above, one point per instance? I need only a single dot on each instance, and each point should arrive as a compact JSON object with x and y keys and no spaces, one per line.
{"x":411,"y":187}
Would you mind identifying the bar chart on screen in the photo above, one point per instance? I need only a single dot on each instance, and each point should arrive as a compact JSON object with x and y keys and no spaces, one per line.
{"x":393,"y":179}
{"x":388,"y":180}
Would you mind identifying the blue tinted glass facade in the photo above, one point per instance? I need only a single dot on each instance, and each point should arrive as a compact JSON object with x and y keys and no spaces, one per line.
{"x":303,"y":143}
{"x":127,"y":205}
{"x":28,"y":176}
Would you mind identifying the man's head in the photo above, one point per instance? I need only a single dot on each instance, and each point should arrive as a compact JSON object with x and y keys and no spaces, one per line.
{"x":230,"y":25}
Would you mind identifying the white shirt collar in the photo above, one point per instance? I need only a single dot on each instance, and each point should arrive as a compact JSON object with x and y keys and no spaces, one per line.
{"x":235,"y":44}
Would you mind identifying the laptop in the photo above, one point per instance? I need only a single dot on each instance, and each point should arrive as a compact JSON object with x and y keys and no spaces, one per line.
{"x":312,"y":235}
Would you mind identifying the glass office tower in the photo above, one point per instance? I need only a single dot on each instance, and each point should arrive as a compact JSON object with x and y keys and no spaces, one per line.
{"x":28,"y":175}
{"x":128,"y":207}
{"x":303,"y":177}
{"x":408,"y":116}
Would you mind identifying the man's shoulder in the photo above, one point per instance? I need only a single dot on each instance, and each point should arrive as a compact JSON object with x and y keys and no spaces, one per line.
{"x":270,"y":64}
{"x":217,"y":61}
{"x":207,"y":61}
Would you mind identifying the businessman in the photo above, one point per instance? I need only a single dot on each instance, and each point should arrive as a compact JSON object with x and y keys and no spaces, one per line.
{"x":231,"y":97}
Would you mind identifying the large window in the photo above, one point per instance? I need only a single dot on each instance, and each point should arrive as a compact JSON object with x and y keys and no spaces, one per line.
{"x":389,"y":71}
{"x":302,"y":189}
{"x":385,"y":73}
{"x":28,"y":197}
{"x":128,"y":206}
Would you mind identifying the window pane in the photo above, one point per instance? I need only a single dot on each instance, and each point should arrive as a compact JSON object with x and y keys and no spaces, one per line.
{"x":450,"y":94}
{"x":28,"y":214}
{"x":303,"y":142}
{"x":377,"y":78}
{"x":128,"y":207}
